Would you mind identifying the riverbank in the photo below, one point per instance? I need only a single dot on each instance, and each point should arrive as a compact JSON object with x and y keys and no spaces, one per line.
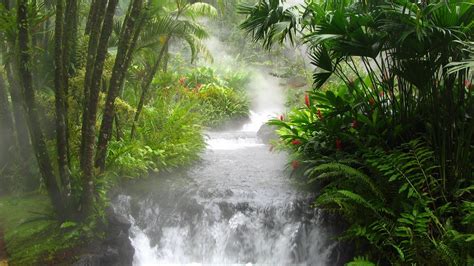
{"x":3,"y":250}
{"x":29,"y":235}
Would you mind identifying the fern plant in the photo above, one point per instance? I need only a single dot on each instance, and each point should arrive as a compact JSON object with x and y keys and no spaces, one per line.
{"x":398,"y":206}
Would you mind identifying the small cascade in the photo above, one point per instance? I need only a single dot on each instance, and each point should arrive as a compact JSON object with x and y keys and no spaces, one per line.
{"x":237,"y":206}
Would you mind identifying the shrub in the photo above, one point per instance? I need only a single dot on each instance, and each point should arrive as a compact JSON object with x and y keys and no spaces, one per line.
{"x":220,"y":104}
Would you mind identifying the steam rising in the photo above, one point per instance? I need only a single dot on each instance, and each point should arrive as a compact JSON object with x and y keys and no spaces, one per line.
{"x":265,"y":91}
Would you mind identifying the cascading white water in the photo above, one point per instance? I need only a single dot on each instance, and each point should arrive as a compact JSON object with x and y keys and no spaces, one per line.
{"x":237,"y":206}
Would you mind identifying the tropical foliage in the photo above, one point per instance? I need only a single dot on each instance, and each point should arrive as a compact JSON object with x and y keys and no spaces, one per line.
{"x":386,"y":135}
{"x":87,"y":102}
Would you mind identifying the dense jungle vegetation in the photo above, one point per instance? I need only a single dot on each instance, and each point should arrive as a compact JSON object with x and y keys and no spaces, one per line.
{"x":386,"y":134}
{"x":98,"y":93}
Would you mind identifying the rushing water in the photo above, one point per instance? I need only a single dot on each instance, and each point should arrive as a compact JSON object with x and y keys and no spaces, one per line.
{"x":236,"y":206}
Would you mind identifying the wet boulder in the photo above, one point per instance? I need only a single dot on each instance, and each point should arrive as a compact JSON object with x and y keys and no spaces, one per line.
{"x":115,"y":249}
{"x":267,"y":133}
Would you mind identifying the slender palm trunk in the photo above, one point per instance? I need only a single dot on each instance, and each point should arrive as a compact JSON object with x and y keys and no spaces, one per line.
{"x":70,"y":38}
{"x":92,"y":17}
{"x":96,"y":17}
{"x":22,"y":140}
{"x":21,"y":127}
{"x":60,"y":100}
{"x":69,"y":47}
{"x":88,"y":135}
{"x":37,"y":137}
{"x":128,"y":39}
{"x":7,"y":138}
{"x":146,"y":86}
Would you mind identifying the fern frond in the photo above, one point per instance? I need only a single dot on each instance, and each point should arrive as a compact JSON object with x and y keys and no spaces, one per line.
{"x":347,"y":171}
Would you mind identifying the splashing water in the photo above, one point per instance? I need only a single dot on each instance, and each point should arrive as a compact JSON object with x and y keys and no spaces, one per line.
{"x":237,"y":206}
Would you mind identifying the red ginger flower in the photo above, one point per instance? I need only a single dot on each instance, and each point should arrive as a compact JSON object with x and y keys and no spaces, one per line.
{"x":468,"y":84}
{"x":296,"y":142}
{"x":320,"y":115}
{"x":354,"y":123}
{"x":338,"y":144}
{"x":307,"y":101}
{"x":351,"y":83}
{"x":281,"y":117}
{"x":295,"y":164}
{"x":372,"y":101}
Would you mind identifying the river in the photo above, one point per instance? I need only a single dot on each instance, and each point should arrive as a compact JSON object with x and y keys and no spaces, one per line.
{"x":236,"y":206}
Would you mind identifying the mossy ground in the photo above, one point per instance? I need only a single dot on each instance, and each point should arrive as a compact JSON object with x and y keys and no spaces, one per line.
{"x":32,"y":235}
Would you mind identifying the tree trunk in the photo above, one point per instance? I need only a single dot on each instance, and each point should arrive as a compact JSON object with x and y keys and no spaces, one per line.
{"x":61,"y":114}
{"x":88,"y":135}
{"x":127,"y":42}
{"x":96,"y":15}
{"x":146,"y":86}
{"x":21,"y":126}
{"x":22,"y":140}
{"x":7,"y":138}
{"x":37,"y":137}
{"x":92,"y":17}
{"x":70,"y":40}
{"x":69,"y":59}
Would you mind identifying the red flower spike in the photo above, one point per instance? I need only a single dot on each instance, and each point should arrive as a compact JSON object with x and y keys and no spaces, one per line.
{"x":372,"y":101}
{"x":295,"y":164}
{"x":307,"y":101}
{"x":338,"y":144}
{"x":354,"y":124}
{"x":296,"y":142}
{"x":351,"y":83}
{"x":468,"y":85}
{"x":320,"y":115}
{"x":281,"y":117}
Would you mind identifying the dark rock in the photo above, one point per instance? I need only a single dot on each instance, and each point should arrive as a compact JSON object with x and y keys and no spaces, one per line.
{"x":267,"y":133}
{"x":117,"y":221}
{"x":89,"y":260}
{"x":115,"y":249}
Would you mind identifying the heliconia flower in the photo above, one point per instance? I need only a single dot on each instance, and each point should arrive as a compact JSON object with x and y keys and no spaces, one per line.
{"x":372,"y":101}
{"x":182,"y":80}
{"x":295,"y":164}
{"x":354,"y":124}
{"x":351,"y":83}
{"x":307,"y":101}
{"x":320,"y":115}
{"x":468,"y":84}
{"x":281,"y":117}
{"x":296,"y":142}
{"x":338,"y":144}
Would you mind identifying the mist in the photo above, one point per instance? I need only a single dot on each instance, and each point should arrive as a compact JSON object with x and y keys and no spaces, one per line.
{"x":265,"y":91}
